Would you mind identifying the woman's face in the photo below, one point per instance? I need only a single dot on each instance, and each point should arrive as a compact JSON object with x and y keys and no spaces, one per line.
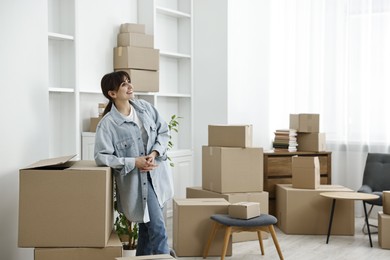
{"x":125,"y":91}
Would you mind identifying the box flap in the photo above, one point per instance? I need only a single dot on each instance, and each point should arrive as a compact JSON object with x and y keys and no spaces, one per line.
{"x":51,"y":162}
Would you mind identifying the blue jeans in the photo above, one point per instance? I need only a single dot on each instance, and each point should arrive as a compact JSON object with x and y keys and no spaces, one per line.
{"x":152,"y":236}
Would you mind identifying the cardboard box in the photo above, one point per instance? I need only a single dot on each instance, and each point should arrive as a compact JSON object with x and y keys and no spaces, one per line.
{"x":244,"y":210}
{"x":136,"y":58}
{"x":143,"y":80}
{"x":383,"y":230}
{"x":260,"y":197}
{"x":65,"y":203}
{"x":94,"y":121}
{"x":306,"y":212}
{"x":231,"y":169}
{"x":305,"y":172}
{"x":192,"y":226}
{"x":230,"y":135}
{"x":305,"y":123}
{"x":135,"y":40}
{"x":386,"y":202}
{"x":146,"y":257}
{"x":311,"y":142}
{"x":132,"y":27}
{"x":111,"y":251}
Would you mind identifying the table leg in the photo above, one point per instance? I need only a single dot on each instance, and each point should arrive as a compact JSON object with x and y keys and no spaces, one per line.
{"x":331,"y":219}
{"x":366,"y":218}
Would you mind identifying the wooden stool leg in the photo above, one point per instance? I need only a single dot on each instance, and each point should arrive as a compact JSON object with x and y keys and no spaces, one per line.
{"x":211,"y":238}
{"x":273,"y":234}
{"x":260,"y":241}
{"x":226,"y":241}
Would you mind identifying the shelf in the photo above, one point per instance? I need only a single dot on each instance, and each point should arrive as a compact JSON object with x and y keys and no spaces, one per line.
{"x":61,"y":90}
{"x":175,"y":55}
{"x":172,"y":12}
{"x":60,"y":37}
{"x":174,"y":95}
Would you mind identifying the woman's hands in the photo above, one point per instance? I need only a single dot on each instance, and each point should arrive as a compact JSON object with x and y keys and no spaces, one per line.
{"x":146,"y":163}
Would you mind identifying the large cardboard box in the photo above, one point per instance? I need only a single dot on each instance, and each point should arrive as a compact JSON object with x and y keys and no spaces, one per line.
{"x":135,"y":40}
{"x":143,"y":80}
{"x":230,"y":135}
{"x":244,"y":210}
{"x":311,"y":142}
{"x":306,"y":212}
{"x":146,"y":257}
{"x":386,"y":202}
{"x":232,"y":169}
{"x":111,"y":251}
{"x":132,"y":27}
{"x":136,"y":58}
{"x":305,"y":123}
{"x":305,"y":172}
{"x":65,"y":203}
{"x":260,"y":197}
{"x":383,"y":230}
{"x":94,"y":121}
{"x":192,"y":226}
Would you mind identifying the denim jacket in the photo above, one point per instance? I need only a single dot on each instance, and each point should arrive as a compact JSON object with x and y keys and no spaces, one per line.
{"x":118,"y":141}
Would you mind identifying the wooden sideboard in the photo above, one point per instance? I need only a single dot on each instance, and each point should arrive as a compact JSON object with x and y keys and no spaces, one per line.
{"x":277,"y":170}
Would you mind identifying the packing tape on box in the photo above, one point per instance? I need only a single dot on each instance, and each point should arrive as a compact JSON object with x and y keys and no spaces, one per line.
{"x":119,"y":51}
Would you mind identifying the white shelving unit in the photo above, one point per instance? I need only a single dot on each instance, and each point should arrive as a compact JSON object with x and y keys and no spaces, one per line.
{"x":63,"y":95}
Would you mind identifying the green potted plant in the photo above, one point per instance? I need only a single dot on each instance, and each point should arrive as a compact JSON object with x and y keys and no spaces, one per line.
{"x":127,"y":230}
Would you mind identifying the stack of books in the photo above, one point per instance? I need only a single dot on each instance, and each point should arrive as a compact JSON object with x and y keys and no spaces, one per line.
{"x":285,"y":140}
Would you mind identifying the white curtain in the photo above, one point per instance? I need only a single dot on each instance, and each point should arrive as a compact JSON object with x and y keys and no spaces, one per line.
{"x":332,"y":57}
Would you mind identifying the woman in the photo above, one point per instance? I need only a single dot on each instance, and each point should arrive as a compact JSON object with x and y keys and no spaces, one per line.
{"x":132,"y":139}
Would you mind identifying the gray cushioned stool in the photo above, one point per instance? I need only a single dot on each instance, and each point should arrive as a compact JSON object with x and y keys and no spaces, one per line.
{"x":263,"y":222}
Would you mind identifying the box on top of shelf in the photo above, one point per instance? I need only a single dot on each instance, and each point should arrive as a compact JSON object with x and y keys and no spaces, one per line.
{"x":136,"y":58}
{"x":383,"y":230}
{"x":112,"y":250}
{"x":135,"y":40}
{"x":132,"y":27}
{"x":146,"y":257}
{"x":232,"y":169}
{"x":94,"y":121}
{"x":311,"y":142}
{"x":143,"y":80}
{"x":230,"y":135}
{"x":305,"y":123}
{"x":244,"y":210}
{"x":305,"y":172}
{"x":64,"y":203}
{"x":386,"y":202}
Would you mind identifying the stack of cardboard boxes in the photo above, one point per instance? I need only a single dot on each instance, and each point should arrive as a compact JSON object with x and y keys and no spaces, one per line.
{"x":232,"y":171}
{"x":65,"y":210}
{"x":384,"y":222}
{"x":299,"y":207}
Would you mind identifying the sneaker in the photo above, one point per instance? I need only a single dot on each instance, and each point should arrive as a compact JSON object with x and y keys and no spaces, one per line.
{"x":172,"y":253}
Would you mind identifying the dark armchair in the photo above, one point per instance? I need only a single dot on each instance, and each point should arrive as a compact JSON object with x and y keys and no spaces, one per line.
{"x":376,"y":177}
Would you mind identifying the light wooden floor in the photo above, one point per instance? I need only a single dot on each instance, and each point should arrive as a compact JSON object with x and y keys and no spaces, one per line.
{"x":307,"y":247}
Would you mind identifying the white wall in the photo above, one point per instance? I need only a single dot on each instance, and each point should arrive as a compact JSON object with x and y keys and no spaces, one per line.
{"x":23,"y":107}
{"x":230,"y":69}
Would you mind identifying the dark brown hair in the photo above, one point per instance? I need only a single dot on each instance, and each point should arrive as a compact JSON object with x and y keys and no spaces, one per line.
{"x":112,"y":82}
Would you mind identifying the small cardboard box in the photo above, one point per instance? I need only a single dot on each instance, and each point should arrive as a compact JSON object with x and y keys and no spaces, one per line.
{"x":305,"y":172}
{"x":244,"y":210}
{"x":311,"y":142}
{"x":305,"y":123}
{"x":135,"y":40}
{"x":306,"y":212}
{"x":136,"y":58}
{"x":132,"y":27}
{"x":230,"y":135}
{"x":232,"y":169}
{"x":94,"y":121}
{"x":386,"y":202}
{"x":143,"y":80}
{"x":192,"y":226}
{"x":65,"y":203}
{"x":383,"y":230}
{"x":111,"y":251}
{"x":259,"y":197}
{"x":146,"y":257}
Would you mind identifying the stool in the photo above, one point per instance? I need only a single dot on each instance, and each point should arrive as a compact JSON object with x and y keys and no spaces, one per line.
{"x":263,"y":222}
